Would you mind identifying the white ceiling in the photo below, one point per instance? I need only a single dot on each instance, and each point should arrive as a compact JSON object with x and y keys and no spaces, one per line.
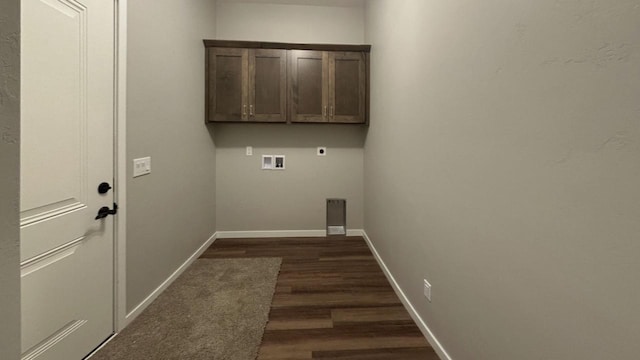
{"x":341,"y":3}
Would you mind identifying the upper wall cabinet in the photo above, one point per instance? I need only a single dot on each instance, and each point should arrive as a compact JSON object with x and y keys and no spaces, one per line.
{"x":309,"y":75}
{"x":328,"y":86}
{"x":267,"y":85}
{"x":278,"y":82}
{"x":246,"y":85}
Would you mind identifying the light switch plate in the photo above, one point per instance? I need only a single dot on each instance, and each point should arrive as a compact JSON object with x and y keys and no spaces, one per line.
{"x":249,"y":150}
{"x":427,"y":290}
{"x":141,"y":166}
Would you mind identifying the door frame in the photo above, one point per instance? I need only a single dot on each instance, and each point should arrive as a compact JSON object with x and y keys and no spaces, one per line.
{"x":120,"y":167}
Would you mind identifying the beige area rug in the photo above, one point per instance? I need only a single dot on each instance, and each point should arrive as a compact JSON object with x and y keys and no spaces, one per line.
{"x":217,"y":309}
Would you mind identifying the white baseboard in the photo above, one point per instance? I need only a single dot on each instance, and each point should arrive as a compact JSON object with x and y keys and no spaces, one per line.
{"x":355,"y":232}
{"x":155,"y":293}
{"x":280,"y":233}
{"x":435,"y":344}
{"x":96,"y":350}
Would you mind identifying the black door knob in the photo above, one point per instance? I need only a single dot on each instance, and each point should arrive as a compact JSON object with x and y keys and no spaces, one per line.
{"x":104,"y":211}
{"x":104,"y":188}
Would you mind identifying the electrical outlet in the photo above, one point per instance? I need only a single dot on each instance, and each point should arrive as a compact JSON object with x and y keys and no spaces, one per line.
{"x":249,"y":151}
{"x":141,"y":166}
{"x":427,"y":290}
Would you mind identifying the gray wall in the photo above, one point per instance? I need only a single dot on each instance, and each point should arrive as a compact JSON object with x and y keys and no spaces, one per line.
{"x":238,"y":20}
{"x":249,"y":198}
{"x":252,"y":199}
{"x":9,"y":179}
{"x":171,"y":212}
{"x":502,"y":165}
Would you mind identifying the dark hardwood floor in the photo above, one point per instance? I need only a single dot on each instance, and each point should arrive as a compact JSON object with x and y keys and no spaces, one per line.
{"x":332,"y":301}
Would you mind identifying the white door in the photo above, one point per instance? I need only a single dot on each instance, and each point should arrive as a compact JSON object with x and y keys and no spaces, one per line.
{"x":67,"y":116}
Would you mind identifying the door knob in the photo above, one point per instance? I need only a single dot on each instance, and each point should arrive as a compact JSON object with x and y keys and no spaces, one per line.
{"x":104,"y":211}
{"x":104,"y":188}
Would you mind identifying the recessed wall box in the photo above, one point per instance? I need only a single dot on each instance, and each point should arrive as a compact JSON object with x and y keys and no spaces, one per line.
{"x":278,"y":162}
{"x":267,"y":162}
{"x":336,"y":217}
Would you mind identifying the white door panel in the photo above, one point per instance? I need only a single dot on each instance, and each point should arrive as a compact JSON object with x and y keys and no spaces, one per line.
{"x":67,"y":87}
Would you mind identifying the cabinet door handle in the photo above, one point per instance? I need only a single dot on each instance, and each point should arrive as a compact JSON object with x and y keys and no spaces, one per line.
{"x":244,"y":110}
{"x":324,"y":111}
{"x":251,"y":110}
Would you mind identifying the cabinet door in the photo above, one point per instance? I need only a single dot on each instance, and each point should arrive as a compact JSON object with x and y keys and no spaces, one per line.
{"x":347,"y":87}
{"x":309,"y":88}
{"x":267,"y":85}
{"x":227,"y":78}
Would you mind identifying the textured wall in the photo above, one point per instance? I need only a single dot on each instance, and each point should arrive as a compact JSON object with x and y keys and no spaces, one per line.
{"x":171,"y":212}
{"x":290,"y":22}
{"x":294,"y":199}
{"x":502,"y":165}
{"x":9,"y":179}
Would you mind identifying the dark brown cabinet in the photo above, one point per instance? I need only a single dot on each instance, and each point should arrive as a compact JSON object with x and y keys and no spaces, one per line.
{"x":328,"y":86}
{"x":268,"y":85}
{"x":347,"y":87}
{"x":246,"y":85}
{"x":309,"y":76}
{"x":227,"y":81}
{"x":275,"y":82}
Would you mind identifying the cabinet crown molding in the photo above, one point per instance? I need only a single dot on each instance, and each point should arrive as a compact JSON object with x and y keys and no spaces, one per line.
{"x":285,"y":46}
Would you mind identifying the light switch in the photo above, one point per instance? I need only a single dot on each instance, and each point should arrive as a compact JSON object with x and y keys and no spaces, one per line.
{"x":249,"y":150}
{"x":141,"y":166}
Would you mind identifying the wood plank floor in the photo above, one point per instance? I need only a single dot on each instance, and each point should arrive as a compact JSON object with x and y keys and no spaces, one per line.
{"x":332,"y":301}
